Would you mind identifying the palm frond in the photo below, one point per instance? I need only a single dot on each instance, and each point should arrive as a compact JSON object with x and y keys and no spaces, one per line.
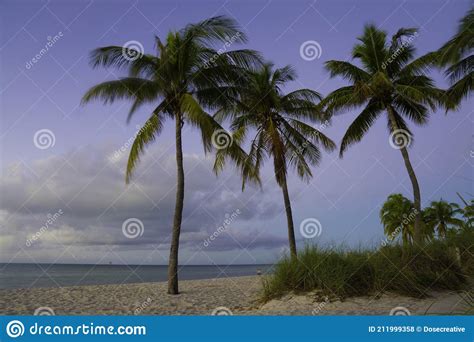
{"x":460,"y":69}
{"x":460,"y":44}
{"x":216,"y":29}
{"x":460,"y":90}
{"x":283,"y":75}
{"x":121,"y":57}
{"x":146,"y":134}
{"x":402,"y":33}
{"x":410,"y":108}
{"x":360,"y":126}
{"x":371,"y":50}
{"x":347,"y":71}
{"x":195,"y":115}
{"x":419,"y":66}
{"x":125,"y":88}
{"x":346,"y":98}
{"x":314,"y":135}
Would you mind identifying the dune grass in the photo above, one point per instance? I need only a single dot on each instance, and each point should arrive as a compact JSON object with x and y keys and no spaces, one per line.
{"x":341,"y":274}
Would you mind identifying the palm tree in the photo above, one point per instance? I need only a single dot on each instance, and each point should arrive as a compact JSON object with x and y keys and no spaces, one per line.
{"x":397,"y":216}
{"x":440,"y":216}
{"x":467,"y":212}
{"x":184,"y":76}
{"x":277,"y":119}
{"x":457,"y":54}
{"x":389,"y":81}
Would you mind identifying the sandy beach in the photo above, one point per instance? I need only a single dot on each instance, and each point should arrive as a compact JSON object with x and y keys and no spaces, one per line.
{"x":238,"y":295}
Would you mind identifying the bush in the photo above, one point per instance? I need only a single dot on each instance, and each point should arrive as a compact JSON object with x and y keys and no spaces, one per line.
{"x":363,"y":272}
{"x":463,"y":241}
{"x":334,"y":273}
{"x":415,"y":272}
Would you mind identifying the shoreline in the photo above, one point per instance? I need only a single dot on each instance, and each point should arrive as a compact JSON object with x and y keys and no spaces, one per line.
{"x":28,"y":276}
{"x":132,"y":283}
{"x":235,"y":295}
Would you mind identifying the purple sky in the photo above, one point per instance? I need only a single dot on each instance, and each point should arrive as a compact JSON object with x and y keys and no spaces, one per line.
{"x":77,"y":177}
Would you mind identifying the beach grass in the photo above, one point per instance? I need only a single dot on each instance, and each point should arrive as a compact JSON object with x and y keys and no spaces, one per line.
{"x":340,"y":273}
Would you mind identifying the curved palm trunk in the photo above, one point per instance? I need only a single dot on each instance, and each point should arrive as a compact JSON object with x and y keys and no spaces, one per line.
{"x":289,"y":218}
{"x":414,"y":182}
{"x":178,"y":213}
{"x":416,"y":196}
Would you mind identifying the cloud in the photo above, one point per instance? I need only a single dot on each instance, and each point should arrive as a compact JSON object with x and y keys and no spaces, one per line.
{"x":84,"y":191}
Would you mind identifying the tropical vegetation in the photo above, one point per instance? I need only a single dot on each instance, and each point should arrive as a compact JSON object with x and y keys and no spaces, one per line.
{"x":183,"y":79}
{"x":445,"y":263}
{"x":457,"y":56}
{"x":283,"y":132}
{"x":188,"y":80}
{"x":387,"y":81}
{"x":441,"y":216}
{"x":397,"y":216}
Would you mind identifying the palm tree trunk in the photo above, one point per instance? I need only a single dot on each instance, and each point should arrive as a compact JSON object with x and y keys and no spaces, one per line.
{"x":289,"y":218}
{"x":416,"y":196}
{"x":178,"y":213}
{"x":405,"y":243}
{"x":414,"y":182}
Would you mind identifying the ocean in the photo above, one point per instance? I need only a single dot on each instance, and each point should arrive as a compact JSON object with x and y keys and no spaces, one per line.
{"x":15,"y":276}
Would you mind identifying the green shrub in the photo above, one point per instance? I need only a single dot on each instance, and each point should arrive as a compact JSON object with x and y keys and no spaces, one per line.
{"x":336,"y":273}
{"x":463,"y":240}
{"x":415,"y":272}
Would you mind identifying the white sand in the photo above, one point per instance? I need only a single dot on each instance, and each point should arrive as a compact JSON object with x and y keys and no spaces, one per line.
{"x":201,"y":297}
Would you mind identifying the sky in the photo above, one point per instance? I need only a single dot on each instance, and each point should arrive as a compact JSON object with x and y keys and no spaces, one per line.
{"x":63,"y":198}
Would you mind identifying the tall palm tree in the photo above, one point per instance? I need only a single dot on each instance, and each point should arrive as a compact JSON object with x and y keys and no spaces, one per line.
{"x":397,"y":215}
{"x":183,"y":77}
{"x":281,"y":133}
{"x":457,"y":55}
{"x":387,"y":80}
{"x":440,"y":216}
